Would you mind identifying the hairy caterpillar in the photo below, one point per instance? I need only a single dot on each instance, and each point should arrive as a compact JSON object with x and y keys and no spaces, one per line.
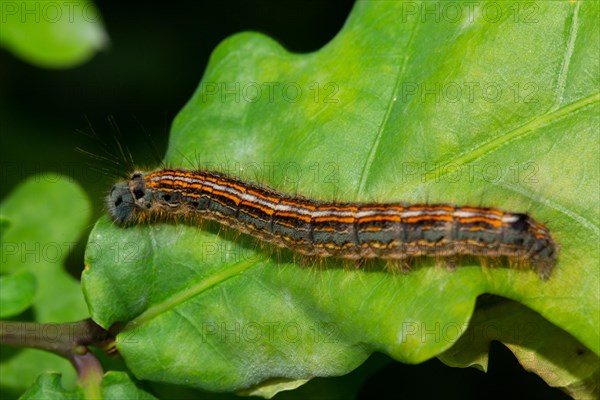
{"x":353,"y":231}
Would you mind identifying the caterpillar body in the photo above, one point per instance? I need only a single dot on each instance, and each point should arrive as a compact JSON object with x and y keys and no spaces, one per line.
{"x":319,"y":228}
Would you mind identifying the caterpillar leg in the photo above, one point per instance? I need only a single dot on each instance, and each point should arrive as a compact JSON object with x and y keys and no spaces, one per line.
{"x":358,"y":263}
{"x":401,"y":265}
{"x":308,"y":261}
{"x":451,"y":262}
{"x":544,"y":268}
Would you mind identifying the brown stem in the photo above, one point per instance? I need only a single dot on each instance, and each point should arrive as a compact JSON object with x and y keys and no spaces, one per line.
{"x":69,"y":340}
{"x":55,"y":338}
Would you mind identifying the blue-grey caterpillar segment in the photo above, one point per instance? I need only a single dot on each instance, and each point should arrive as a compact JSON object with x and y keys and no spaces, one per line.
{"x":353,"y":231}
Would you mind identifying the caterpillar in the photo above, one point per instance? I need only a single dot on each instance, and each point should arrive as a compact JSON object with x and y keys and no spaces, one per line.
{"x":354,"y":231}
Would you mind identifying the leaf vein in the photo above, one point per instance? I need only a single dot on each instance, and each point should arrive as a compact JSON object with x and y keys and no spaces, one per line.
{"x":188,"y":293}
{"x":564,"y":71}
{"x":488,"y":147}
{"x":388,"y":112}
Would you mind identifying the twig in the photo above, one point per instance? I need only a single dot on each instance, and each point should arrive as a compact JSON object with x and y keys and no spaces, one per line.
{"x":68,"y":340}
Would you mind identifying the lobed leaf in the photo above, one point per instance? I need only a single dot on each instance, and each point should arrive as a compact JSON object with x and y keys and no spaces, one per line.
{"x":482,"y":109}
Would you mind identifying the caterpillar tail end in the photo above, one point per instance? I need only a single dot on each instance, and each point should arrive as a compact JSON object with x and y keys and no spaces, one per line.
{"x":544,"y":268}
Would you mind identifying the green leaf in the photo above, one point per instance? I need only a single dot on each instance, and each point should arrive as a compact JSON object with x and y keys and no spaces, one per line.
{"x":486,"y":109}
{"x":16,"y":293}
{"x":118,"y":385}
{"x":539,"y":346}
{"x":52,"y":34}
{"x":115,"y":385}
{"x":49,"y":386}
{"x":47,"y":214}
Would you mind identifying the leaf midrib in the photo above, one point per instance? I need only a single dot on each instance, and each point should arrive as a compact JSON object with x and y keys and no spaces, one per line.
{"x":190,"y":292}
{"x":487,"y":147}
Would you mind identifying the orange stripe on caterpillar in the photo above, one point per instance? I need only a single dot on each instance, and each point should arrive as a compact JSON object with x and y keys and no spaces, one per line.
{"x":334,"y":229}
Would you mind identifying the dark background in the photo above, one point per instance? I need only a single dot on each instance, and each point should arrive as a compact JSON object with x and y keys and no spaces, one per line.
{"x":130,"y":94}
